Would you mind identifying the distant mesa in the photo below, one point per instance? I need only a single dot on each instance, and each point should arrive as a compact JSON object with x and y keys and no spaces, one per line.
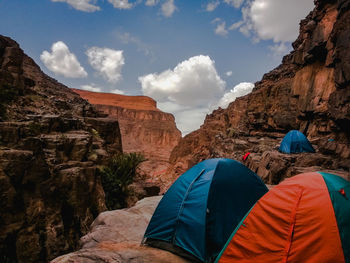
{"x":144,"y":129}
{"x":124,"y":101}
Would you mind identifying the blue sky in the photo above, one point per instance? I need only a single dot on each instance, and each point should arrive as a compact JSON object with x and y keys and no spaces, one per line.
{"x":191,"y":56}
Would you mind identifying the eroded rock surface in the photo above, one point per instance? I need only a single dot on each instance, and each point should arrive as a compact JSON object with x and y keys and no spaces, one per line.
{"x":115,"y":236}
{"x":309,"y":91}
{"x":51,"y":141}
{"x":144,"y":129}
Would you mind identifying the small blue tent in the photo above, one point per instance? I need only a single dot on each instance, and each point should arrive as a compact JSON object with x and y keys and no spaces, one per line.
{"x":295,"y":142}
{"x":201,"y":209}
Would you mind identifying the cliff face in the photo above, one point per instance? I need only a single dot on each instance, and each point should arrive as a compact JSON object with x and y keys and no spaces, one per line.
{"x":144,"y":129}
{"x":51,"y":142}
{"x":118,"y":100}
{"x":309,"y":92}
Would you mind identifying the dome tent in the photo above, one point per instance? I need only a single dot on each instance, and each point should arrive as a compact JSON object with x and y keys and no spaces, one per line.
{"x":295,"y":142}
{"x":200,"y":210}
{"x":305,"y":218}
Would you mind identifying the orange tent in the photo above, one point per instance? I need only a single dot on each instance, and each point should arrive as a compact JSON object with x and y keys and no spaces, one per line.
{"x":306,"y":218}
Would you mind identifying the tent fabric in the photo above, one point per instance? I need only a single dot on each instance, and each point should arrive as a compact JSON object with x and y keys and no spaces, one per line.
{"x":303,"y":219}
{"x":295,"y":142}
{"x":339,"y":191}
{"x":204,"y":205}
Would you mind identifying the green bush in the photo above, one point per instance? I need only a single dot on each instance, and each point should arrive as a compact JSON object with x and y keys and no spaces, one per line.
{"x":117,"y":175}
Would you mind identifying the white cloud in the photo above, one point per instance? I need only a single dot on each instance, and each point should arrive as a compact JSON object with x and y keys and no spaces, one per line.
{"x":91,"y":87}
{"x":151,"y":2}
{"x":221,"y":29}
{"x":62,"y":62}
{"x":107,"y":62}
{"x":82,"y":5}
{"x":192,"y":82}
{"x":168,"y":8}
{"x":187,"y":119}
{"x":236,"y":25}
{"x":216,"y":20}
{"x":239,"y":90}
{"x":274,"y":19}
{"x":187,"y":91}
{"x":211,"y":6}
{"x":228,"y":73}
{"x":235,"y":3}
{"x":121,"y":4}
{"x":117,"y":91}
{"x":279,"y":19}
{"x":280,"y":49}
{"x":127,"y":38}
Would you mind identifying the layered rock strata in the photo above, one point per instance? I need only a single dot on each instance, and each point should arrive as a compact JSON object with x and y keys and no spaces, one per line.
{"x":51,"y":142}
{"x":309,"y":91}
{"x":144,"y":129}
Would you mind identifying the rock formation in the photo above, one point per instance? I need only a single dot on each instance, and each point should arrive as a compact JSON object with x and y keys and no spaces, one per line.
{"x":144,"y":129}
{"x":51,"y":141}
{"x":309,"y":91}
{"x":115,"y":236}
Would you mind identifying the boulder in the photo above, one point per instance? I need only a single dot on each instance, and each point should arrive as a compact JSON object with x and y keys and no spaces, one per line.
{"x":115,"y":236}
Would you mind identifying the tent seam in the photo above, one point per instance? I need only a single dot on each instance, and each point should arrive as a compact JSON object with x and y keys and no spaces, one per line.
{"x":182,"y":205}
{"x":233,"y":234}
{"x":206,"y":205}
{"x":291,"y":230}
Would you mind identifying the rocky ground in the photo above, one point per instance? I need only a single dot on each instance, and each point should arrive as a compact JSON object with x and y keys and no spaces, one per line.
{"x":115,"y":236}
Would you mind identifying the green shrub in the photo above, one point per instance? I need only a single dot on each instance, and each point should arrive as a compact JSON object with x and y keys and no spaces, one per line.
{"x":117,"y":175}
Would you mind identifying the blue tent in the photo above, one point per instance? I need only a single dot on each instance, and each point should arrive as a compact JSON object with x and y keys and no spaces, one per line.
{"x":295,"y":142}
{"x":201,"y":209}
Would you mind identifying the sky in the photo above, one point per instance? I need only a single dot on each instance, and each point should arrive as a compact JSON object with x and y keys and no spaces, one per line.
{"x":191,"y":56}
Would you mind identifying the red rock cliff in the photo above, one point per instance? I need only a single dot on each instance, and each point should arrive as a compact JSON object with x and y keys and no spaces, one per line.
{"x":309,"y":91}
{"x":123,"y":101}
{"x":143,"y":126}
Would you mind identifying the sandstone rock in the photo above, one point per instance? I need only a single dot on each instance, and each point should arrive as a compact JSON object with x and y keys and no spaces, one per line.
{"x":144,"y":128}
{"x":127,"y":225}
{"x":51,"y":142}
{"x":115,"y":236}
{"x":120,"y":252}
{"x":309,"y":91}
{"x":142,"y":103}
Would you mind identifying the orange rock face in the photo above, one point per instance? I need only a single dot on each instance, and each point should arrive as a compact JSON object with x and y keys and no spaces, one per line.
{"x":144,"y":129}
{"x":123,"y":101}
{"x":309,"y":91}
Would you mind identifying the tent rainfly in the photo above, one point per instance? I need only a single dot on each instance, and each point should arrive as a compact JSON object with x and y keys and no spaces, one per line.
{"x":295,"y":142}
{"x":305,"y":218}
{"x":201,"y":209}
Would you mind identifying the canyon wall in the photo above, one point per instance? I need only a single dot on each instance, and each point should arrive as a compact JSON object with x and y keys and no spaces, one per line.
{"x":49,"y":152}
{"x":144,"y":129}
{"x":309,"y":92}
